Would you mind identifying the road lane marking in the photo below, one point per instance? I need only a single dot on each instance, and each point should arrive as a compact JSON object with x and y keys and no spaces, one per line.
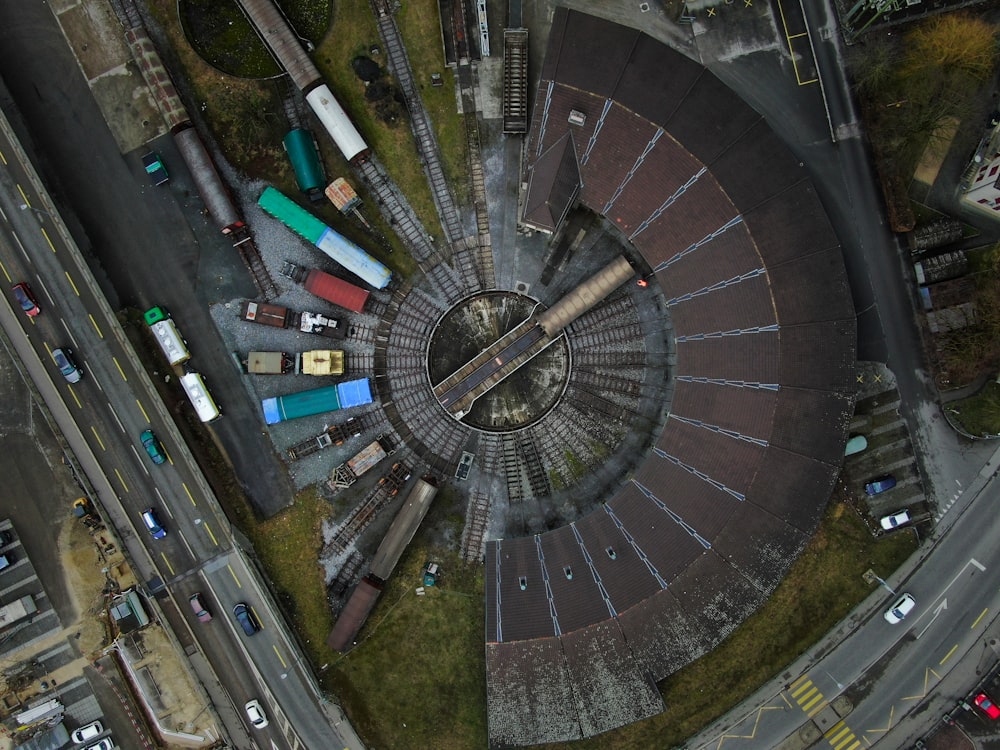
{"x":233,"y":574}
{"x":210,"y":534}
{"x":947,"y":656}
{"x":144,"y":414}
{"x":4,"y":268}
{"x":190,"y":496}
{"x":167,"y":562}
{"x":70,"y":280}
{"x":981,"y":616}
{"x":115,"y":415}
{"x":47,"y":238}
{"x":121,"y":479}
{"x":93,"y":322}
{"x":120,"y":370}
{"x":278,"y":654}
{"x":75,"y":398}
{"x":98,"y":438}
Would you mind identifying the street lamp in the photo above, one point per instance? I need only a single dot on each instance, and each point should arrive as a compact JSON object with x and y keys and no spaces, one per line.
{"x":26,"y":207}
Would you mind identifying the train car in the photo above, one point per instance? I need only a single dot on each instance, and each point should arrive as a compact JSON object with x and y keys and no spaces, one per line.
{"x":202,"y":401}
{"x":403,"y":527}
{"x":308,"y":169}
{"x":337,"y":291}
{"x":317,"y":401}
{"x":355,"y":613}
{"x":207,"y":181}
{"x":399,"y":535}
{"x":336,"y":122}
{"x":334,"y":245}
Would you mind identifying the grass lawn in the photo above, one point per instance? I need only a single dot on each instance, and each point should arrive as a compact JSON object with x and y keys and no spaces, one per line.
{"x":419,"y":660}
{"x":979,"y":414}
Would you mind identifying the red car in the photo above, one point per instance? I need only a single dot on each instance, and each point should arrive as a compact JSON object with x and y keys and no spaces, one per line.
{"x":26,"y":299}
{"x":988,"y":706}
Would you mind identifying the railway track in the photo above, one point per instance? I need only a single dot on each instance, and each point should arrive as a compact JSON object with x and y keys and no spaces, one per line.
{"x":399,"y":64}
{"x":250,"y":254}
{"x":396,"y":209}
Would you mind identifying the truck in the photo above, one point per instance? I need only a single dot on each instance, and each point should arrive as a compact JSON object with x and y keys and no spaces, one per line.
{"x":172,"y":344}
{"x":336,"y":434}
{"x":354,"y":468}
{"x":317,"y":401}
{"x":315,"y":362}
{"x":276,"y":316}
{"x":16,"y":611}
{"x":326,"y":286}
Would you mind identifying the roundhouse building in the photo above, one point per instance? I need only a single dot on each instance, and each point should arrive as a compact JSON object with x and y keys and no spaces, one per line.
{"x":582,"y":621}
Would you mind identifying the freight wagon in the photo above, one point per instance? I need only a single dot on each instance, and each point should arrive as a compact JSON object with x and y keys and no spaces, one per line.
{"x":266,"y":314}
{"x":334,"y":245}
{"x":351,"y":470}
{"x":328,"y":287}
{"x":316,"y":362}
{"x":317,"y":401}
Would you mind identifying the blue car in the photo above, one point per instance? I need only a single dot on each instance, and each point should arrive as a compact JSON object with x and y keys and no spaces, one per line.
{"x":880,"y":485}
{"x":152,"y":523}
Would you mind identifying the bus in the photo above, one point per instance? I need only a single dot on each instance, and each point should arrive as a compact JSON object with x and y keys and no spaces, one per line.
{"x":167,"y":336}
{"x":202,"y":401}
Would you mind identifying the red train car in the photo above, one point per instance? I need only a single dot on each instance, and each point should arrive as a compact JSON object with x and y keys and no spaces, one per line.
{"x":335,"y":290}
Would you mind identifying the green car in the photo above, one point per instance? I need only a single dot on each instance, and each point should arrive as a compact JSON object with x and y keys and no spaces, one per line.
{"x":153,"y":447}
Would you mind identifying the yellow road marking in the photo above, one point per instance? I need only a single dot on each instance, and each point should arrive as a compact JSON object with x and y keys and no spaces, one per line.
{"x":70,"y":280}
{"x":121,"y":479}
{"x":209,"y":530}
{"x":190,"y":496}
{"x":947,"y":656}
{"x":78,"y":404}
{"x":120,"y":370}
{"x":144,"y":414}
{"x":97,"y":328}
{"x":5,"y":272}
{"x":24,"y":196}
{"x":981,"y":616}
{"x":278,"y":654}
{"x":167,"y":562}
{"x":233,"y":574}
{"x":3,"y":158}
{"x":98,"y":438}
{"x":47,"y":238}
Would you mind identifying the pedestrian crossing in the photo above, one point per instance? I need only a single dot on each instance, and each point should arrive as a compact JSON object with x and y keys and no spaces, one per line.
{"x":811,"y":700}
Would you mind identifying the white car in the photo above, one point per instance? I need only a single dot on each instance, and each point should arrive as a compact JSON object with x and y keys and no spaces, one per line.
{"x":899,"y":518}
{"x":900,"y":609}
{"x":88,"y":732}
{"x":256,"y":714}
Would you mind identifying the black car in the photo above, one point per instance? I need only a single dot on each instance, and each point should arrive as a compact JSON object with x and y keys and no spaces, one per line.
{"x":245,"y":617}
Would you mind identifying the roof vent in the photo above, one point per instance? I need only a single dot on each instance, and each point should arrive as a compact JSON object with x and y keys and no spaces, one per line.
{"x":576,"y":117}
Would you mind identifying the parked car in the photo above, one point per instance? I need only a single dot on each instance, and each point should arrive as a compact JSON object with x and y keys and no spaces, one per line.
{"x":88,"y":732}
{"x":989,"y":707}
{"x":6,"y":560}
{"x":895,"y":520}
{"x":26,"y":299}
{"x":104,"y":744}
{"x":153,"y":446}
{"x":246,"y":618}
{"x":855,"y":445}
{"x":900,"y":609}
{"x":151,"y":520}
{"x":67,"y":365}
{"x":256,"y":714}
{"x":154,"y":168}
{"x":198,"y":607}
{"x":880,"y":485}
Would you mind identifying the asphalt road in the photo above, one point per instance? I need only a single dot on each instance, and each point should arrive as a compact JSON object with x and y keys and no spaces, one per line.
{"x":139,"y":242}
{"x":137,"y":239}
